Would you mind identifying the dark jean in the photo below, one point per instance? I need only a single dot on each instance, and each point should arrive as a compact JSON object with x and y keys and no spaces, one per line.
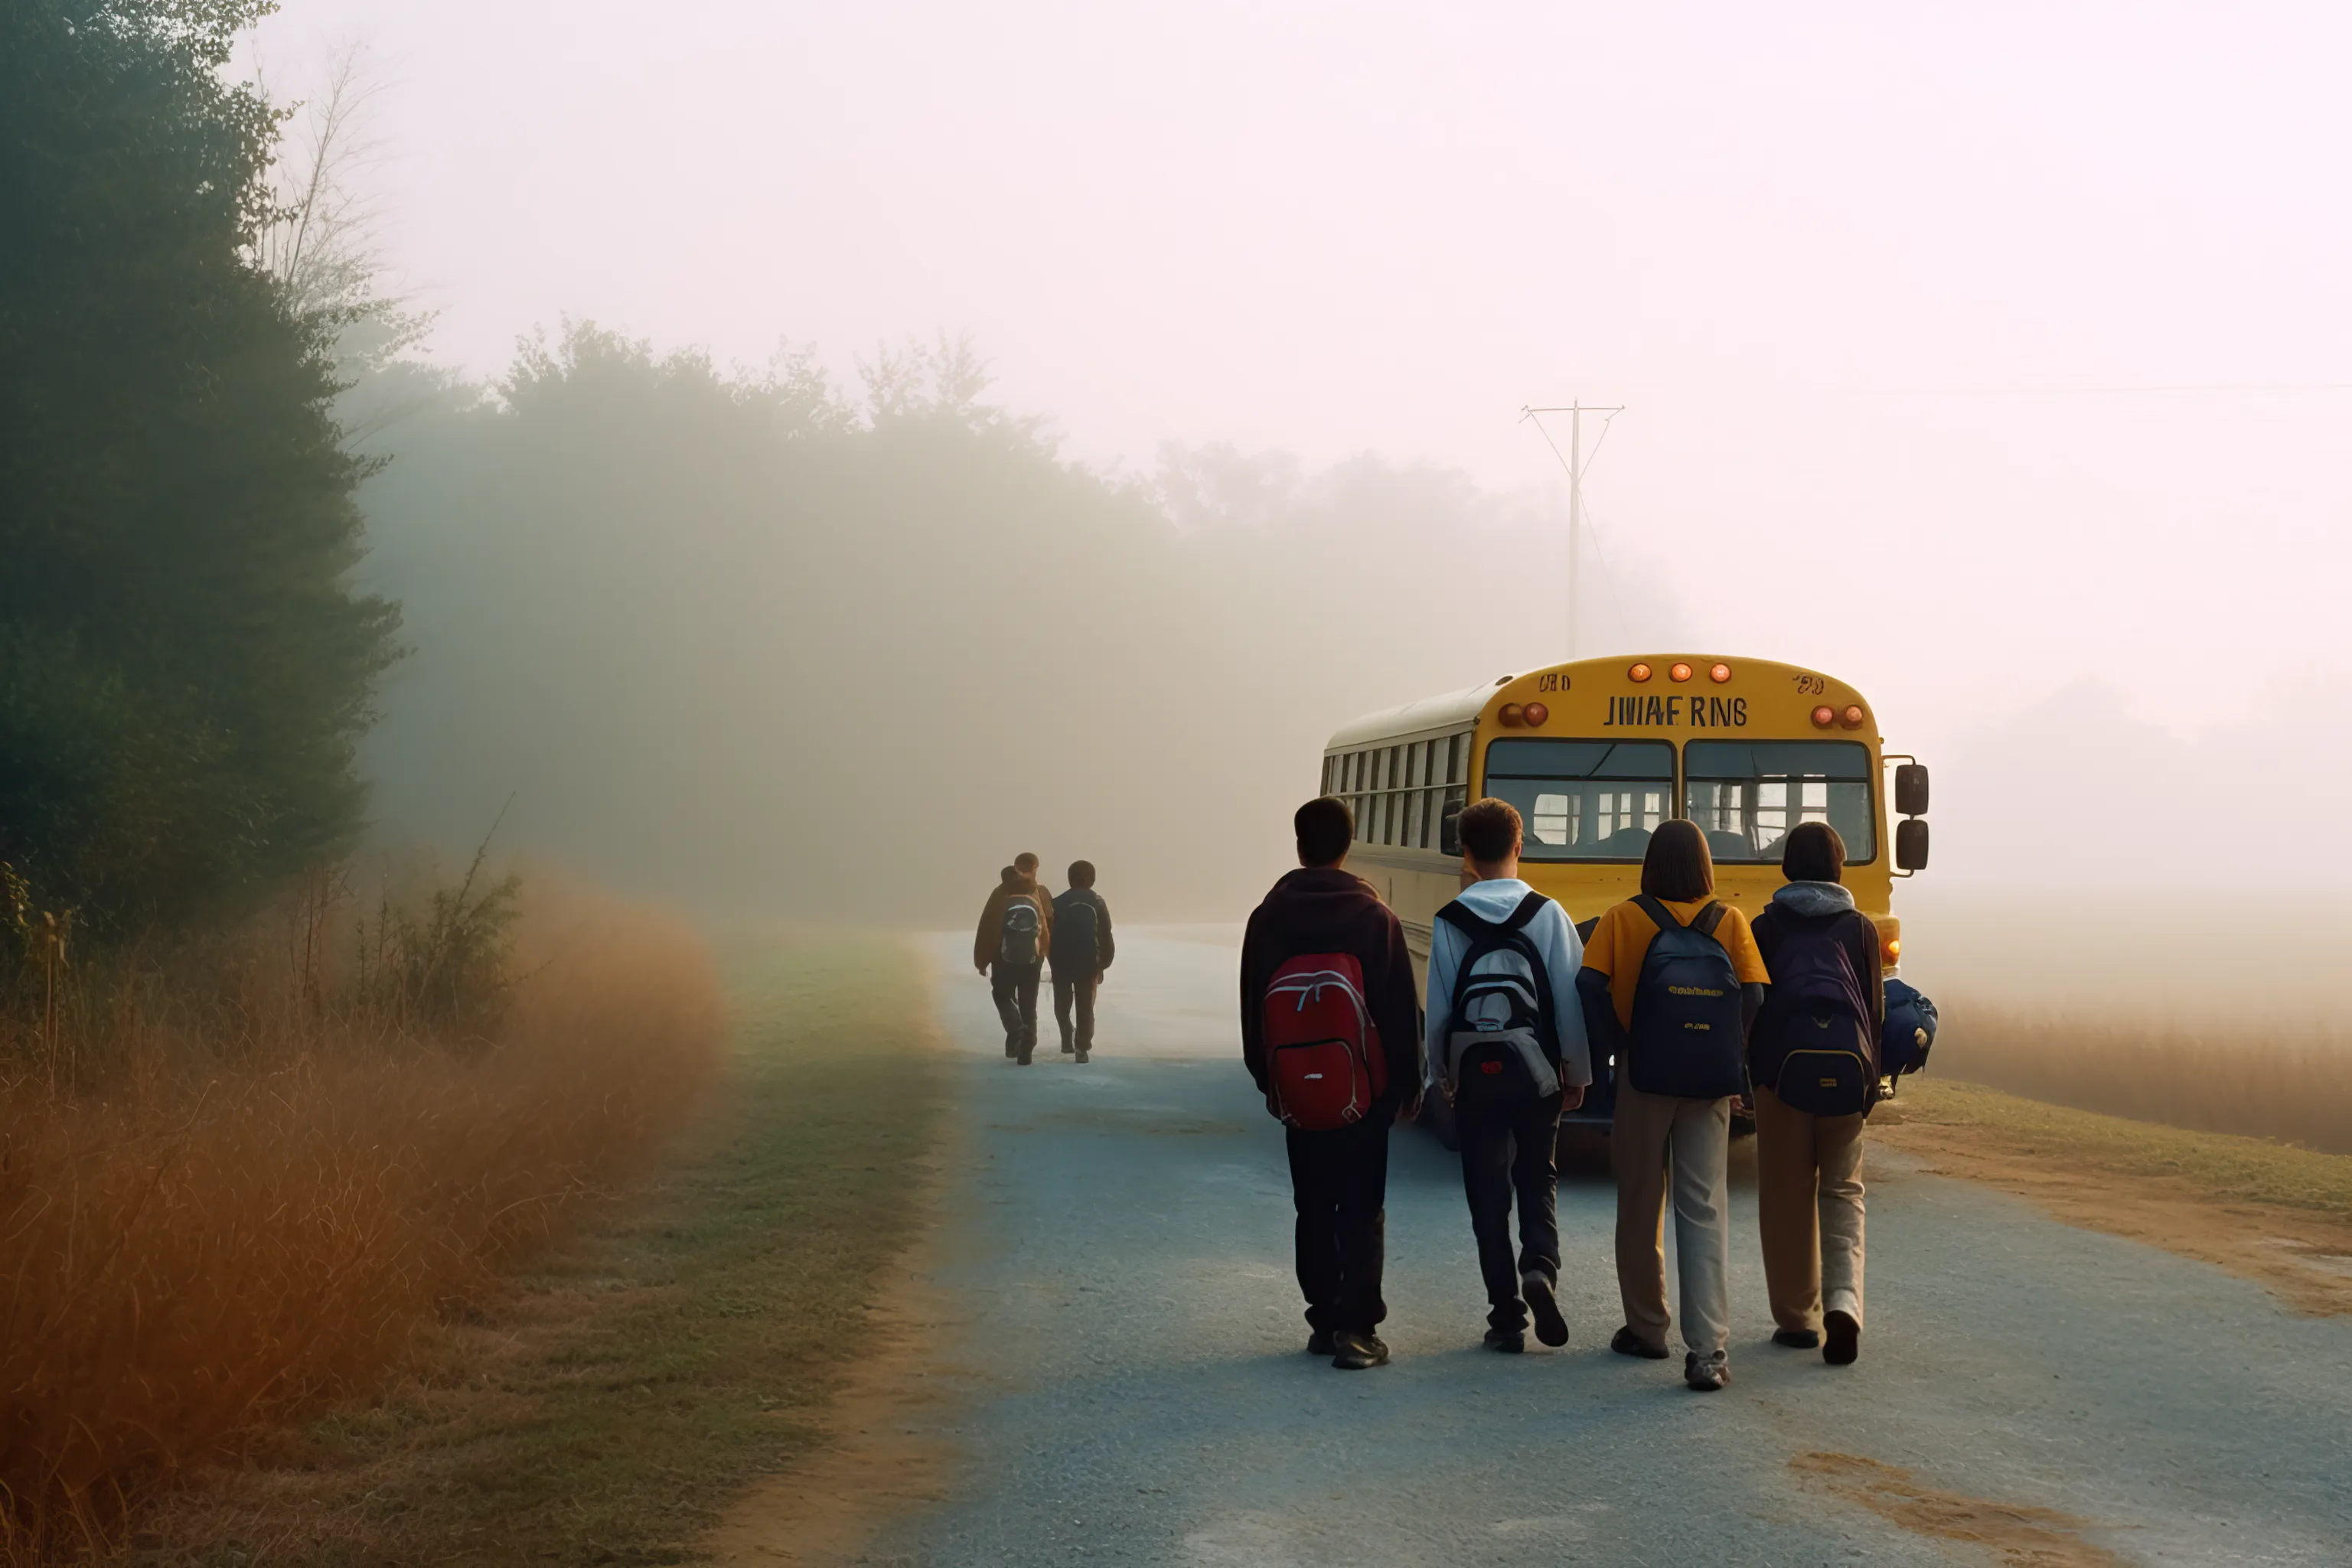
{"x":1014,"y":988}
{"x":1503,"y":1156}
{"x":1339,"y":1182}
{"x":1075,"y":989}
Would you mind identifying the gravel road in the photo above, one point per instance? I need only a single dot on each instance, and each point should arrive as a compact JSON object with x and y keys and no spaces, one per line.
{"x":1138,"y":1393}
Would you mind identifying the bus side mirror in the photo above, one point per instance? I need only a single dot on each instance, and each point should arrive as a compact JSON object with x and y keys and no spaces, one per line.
{"x":1911,"y":792}
{"x":1911,"y":844}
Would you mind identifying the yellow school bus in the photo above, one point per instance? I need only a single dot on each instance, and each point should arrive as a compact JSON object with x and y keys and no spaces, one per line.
{"x":1596,"y":753}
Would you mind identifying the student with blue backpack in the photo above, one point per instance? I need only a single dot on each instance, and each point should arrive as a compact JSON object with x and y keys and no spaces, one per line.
{"x":1506,"y":1045}
{"x":1814,"y":1058}
{"x":1671,"y":981}
{"x":1016,"y":931}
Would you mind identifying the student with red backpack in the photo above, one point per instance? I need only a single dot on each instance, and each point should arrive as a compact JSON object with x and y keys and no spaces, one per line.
{"x":1671,"y":980}
{"x":1329,"y":1033}
{"x":1016,"y":931}
{"x":1507,"y":1049}
{"x":1813,"y":1056}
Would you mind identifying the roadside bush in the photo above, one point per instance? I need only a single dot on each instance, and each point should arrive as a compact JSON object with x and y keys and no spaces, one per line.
{"x":237,"y":1199}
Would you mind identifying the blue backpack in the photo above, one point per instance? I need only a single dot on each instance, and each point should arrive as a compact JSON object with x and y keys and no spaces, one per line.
{"x":1909,"y":1031}
{"x":1819,"y":1059}
{"x":1688,"y":1039}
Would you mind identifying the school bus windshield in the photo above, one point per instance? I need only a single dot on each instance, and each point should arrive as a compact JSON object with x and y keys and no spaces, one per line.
{"x":1747,"y":794}
{"x":1584,"y":800}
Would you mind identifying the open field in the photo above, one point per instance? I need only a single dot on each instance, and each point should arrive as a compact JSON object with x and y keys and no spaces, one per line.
{"x":608,"y":1406}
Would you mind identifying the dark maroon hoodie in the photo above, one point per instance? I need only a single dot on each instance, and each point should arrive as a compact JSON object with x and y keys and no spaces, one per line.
{"x":1327,"y":910}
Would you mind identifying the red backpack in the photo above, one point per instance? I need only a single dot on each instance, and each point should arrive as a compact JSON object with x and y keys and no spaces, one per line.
{"x":1324,"y":1062}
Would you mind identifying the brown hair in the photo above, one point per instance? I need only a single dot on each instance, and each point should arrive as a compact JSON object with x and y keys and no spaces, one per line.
{"x":1490,"y":829}
{"x":1324,"y":828}
{"x":1025,"y":864}
{"x":1678,"y":865}
{"x":1082,"y":873}
{"x":1812,"y":852}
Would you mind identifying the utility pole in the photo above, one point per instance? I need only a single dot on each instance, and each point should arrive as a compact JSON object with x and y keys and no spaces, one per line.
{"x":1574,"y":462}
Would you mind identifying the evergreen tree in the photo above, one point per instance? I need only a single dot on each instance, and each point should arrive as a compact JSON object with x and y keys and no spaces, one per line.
{"x":185,"y":667}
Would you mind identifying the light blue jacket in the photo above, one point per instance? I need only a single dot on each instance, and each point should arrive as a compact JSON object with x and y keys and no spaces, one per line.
{"x":1553,"y":938}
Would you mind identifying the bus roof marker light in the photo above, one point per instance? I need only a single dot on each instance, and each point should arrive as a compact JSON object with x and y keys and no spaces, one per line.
{"x":1719,"y":673}
{"x":1852,"y":717}
{"x":1679,"y":673}
{"x":1824,"y":716}
{"x":1512,"y":715}
{"x":1535,"y":714}
{"x":1638,"y":674}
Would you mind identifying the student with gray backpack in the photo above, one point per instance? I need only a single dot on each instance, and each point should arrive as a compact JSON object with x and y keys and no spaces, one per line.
{"x":1814,"y":1057}
{"x":1671,"y":980}
{"x":1017,"y":932}
{"x":1506,"y":1045}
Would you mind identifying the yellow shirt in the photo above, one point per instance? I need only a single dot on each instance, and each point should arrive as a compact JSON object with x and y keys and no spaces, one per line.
{"x":1622,"y":939}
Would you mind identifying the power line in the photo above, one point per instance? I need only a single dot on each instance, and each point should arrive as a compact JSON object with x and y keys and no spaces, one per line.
{"x":1576,"y":463}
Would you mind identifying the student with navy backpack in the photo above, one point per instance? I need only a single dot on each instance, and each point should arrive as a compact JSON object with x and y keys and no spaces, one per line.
{"x":1814,"y":1058}
{"x":1330,"y":1034}
{"x":1671,"y":980}
{"x":1016,"y":931}
{"x":1506,"y":1046}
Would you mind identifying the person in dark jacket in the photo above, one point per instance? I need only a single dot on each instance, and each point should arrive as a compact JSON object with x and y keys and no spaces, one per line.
{"x":1807,"y":1167}
{"x":1082,"y":951}
{"x":1339,"y":1178}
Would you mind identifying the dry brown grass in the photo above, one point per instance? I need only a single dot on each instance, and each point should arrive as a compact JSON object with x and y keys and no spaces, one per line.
{"x":240,"y":1210}
{"x":2256,"y":1078}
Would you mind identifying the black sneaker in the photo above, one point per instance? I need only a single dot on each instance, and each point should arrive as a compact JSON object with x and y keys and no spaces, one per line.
{"x":1086,"y":1056}
{"x":1068,"y":1048}
{"x":1510,"y":1342}
{"x":1322,"y":1343}
{"x":1543,"y":1305}
{"x":1843,"y":1336}
{"x":1023,"y":1059}
{"x":1359,"y":1350}
{"x":1628,"y":1342}
{"x":1797,"y":1339}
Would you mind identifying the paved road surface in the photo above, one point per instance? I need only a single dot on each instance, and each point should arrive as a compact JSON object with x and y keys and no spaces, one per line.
{"x":1121,"y":1255}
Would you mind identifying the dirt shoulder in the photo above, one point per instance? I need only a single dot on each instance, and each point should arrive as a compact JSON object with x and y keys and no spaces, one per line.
{"x":2269,"y":1212}
{"x":719,"y":1326}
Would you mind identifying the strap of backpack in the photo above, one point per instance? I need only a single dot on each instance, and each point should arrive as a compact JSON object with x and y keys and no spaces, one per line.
{"x":1707,"y":919}
{"x":1530,"y":907}
{"x":1458,"y":915}
{"x":1657,"y":912}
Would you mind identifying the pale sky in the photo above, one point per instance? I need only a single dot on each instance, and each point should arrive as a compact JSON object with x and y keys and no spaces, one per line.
{"x":1897,"y":297}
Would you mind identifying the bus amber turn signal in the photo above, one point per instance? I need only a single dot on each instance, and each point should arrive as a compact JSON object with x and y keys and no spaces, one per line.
{"x":1511,"y":715}
{"x":1679,"y":673}
{"x":1638,"y":674}
{"x":1719,"y":674}
{"x":1535,"y":714}
{"x":1824,"y":716}
{"x":1852,"y":719}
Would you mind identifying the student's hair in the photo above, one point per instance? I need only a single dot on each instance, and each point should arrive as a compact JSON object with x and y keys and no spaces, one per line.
{"x":1082,"y":873}
{"x":1324,"y":828}
{"x":1490,"y":829}
{"x":1678,"y":865}
{"x":1025,"y":864}
{"x":1007,"y":874}
{"x":1812,"y":852}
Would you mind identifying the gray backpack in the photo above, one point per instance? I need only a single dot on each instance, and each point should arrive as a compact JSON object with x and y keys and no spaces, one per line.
{"x":1016,"y":941}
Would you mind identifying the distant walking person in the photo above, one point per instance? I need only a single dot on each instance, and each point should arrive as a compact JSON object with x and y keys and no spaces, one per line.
{"x":1016,"y":931}
{"x":1671,"y":980}
{"x":1813,"y":1056}
{"x":1329,"y":1032}
{"x":1507,"y":1049}
{"x":1081,"y":952}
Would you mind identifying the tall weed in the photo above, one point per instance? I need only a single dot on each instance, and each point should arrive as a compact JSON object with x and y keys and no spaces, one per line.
{"x":256,"y":1174}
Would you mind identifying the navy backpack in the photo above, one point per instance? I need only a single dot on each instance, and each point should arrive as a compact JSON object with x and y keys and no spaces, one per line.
{"x":1688,"y":1036}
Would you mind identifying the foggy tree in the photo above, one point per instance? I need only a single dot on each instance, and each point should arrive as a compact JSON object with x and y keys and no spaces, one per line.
{"x":184,"y":668}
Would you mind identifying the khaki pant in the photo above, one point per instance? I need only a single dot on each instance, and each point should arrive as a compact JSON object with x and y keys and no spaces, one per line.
{"x":1809,"y":1210}
{"x":1653,"y":1136}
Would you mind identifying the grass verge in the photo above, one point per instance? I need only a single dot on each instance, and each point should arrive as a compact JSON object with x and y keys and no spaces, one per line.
{"x":2273,"y":1212}
{"x":608,"y":1407}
